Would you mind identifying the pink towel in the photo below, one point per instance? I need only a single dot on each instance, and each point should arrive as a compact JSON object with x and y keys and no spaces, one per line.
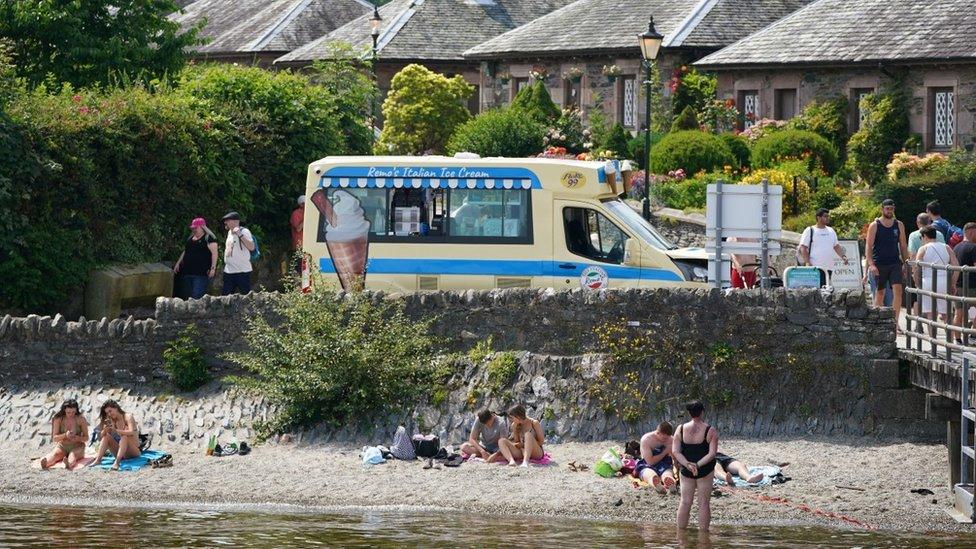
{"x":544,"y":461}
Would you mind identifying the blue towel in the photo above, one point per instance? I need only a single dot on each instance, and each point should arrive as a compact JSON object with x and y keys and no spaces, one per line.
{"x":132,"y":464}
{"x":768,"y":472}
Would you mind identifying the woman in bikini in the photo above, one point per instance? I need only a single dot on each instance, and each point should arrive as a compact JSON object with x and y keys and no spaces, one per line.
{"x":120,"y":434}
{"x":694,"y":448}
{"x":526,"y":438}
{"x":69,"y":431}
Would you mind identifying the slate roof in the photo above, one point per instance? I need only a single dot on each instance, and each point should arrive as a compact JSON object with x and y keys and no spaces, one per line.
{"x":251,"y":26}
{"x":429,"y":30}
{"x":830,"y":32}
{"x":603,"y":26}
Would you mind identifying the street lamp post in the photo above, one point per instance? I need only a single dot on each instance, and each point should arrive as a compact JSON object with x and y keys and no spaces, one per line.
{"x":650,"y":45}
{"x":374,"y":23}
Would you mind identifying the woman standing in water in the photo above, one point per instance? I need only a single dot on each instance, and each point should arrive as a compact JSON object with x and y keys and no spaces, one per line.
{"x":120,"y":434}
{"x":69,"y":431}
{"x":694,"y":448}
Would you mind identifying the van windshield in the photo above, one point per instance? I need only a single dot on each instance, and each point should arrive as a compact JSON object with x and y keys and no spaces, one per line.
{"x":638,"y":224}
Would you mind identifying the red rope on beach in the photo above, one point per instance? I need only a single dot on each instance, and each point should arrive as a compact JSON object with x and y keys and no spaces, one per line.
{"x":801,"y":507}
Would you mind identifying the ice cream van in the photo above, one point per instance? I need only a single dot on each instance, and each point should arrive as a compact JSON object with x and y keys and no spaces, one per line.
{"x":405,"y":223}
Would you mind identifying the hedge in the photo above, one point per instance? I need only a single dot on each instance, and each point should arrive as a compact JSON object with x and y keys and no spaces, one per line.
{"x":953,"y":185}
{"x":114,"y":176}
{"x":785,"y":145}
{"x":498,"y":133}
{"x":693,"y":151}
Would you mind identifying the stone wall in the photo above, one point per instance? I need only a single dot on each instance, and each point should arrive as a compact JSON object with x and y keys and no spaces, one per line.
{"x":769,"y":364}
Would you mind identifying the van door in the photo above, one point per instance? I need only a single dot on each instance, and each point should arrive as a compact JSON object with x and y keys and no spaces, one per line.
{"x":588,"y":249}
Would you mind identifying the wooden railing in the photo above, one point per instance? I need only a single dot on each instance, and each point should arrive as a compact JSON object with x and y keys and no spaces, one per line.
{"x":956,"y":338}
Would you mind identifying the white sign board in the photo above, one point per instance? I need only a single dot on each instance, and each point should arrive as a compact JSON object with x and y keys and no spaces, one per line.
{"x":850,"y":275}
{"x":741,"y":213}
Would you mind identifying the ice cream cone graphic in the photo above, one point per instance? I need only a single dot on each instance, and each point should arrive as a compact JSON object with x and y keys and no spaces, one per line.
{"x":346,"y":236}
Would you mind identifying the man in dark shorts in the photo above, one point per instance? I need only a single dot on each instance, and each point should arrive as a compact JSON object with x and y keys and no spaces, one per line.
{"x":887,"y":251}
{"x":966,"y":254}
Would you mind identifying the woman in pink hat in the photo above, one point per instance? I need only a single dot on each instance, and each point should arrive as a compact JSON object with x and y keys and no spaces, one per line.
{"x":198,"y":262}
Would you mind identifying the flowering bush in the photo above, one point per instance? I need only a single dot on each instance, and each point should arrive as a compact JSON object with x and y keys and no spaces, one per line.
{"x":904,"y":164}
{"x":555,"y":152}
{"x":785,"y":145}
{"x":691,"y":88}
{"x":568,"y":132}
{"x":785,"y":176}
{"x":762,"y":127}
{"x":719,"y":115}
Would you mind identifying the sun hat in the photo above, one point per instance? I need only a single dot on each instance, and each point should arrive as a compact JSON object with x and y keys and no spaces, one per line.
{"x":198,"y":222}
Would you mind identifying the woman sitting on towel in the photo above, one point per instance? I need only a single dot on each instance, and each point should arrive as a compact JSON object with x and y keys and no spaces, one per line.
{"x":525,"y":440}
{"x":119,"y":434}
{"x":69,"y":431}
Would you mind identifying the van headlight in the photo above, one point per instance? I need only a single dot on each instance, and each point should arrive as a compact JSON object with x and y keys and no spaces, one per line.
{"x":693,"y":270}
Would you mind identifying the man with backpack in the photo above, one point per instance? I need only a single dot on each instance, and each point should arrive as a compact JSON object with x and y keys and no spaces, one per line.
{"x":966,"y":254}
{"x":238,"y":251}
{"x":819,"y":246}
{"x":887,"y":250}
{"x":934,"y":209}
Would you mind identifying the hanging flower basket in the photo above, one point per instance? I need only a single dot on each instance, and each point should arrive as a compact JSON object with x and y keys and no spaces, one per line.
{"x":504,"y":78}
{"x":574,"y":74}
{"x":611,"y":72}
{"x":539,"y":73}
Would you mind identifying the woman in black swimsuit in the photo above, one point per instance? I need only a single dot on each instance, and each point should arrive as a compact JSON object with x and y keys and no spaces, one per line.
{"x":697,"y":461}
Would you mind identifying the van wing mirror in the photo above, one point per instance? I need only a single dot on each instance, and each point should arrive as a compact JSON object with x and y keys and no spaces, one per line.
{"x":632,"y":252}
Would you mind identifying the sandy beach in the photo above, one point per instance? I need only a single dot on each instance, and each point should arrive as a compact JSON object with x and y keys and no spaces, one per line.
{"x":877,"y":477}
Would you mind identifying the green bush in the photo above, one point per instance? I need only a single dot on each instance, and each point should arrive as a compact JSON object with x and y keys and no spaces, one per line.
{"x":694,"y":89}
{"x":183,"y":360}
{"x":535,"y":102}
{"x":501,"y":370}
{"x":952,"y":183}
{"x":884,"y":130}
{"x":112,"y":176}
{"x":683,"y":195}
{"x":787,"y":145}
{"x":687,"y":119}
{"x":336,"y":361}
{"x":498,"y":133}
{"x":693,"y":151}
{"x":852,"y":216}
{"x":617,"y":141}
{"x":636,"y":147}
{"x":827,"y":118}
{"x":740,"y":149}
{"x":827,"y":196}
{"x":422,"y":111}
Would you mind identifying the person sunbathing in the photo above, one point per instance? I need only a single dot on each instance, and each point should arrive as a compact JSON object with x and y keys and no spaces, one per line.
{"x":655,"y":465}
{"x":728,"y":466}
{"x":69,"y":431}
{"x":485,"y":434}
{"x":119,"y":434}
{"x":525,"y":441}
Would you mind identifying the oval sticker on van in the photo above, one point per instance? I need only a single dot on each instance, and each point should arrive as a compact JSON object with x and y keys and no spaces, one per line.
{"x":594,"y":278}
{"x":571,"y":180}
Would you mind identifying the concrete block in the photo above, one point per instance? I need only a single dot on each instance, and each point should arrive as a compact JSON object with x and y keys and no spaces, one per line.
{"x":899,"y":404}
{"x":940,"y":408}
{"x":109,"y":288}
{"x":882,"y":374}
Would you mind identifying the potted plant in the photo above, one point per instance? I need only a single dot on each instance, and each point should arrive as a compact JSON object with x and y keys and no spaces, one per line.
{"x":574,"y":74}
{"x":611,"y":72}
{"x":539,"y":73}
{"x":504,"y":77}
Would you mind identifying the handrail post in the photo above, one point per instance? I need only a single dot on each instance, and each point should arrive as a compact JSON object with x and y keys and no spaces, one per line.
{"x":910,"y":298}
{"x":934,"y":311}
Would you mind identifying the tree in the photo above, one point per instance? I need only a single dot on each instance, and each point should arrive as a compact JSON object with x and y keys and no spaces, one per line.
{"x":498,"y":133}
{"x":86,"y":42}
{"x":535,"y":102}
{"x":422,"y":111}
{"x":346,"y":75}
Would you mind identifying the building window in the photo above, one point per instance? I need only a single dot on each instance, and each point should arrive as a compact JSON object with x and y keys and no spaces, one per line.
{"x":943,"y":115}
{"x":857,"y":115}
{"x":749,"y":108}
{"x":627,"y":106}
{"x":518,"y":84}
{"x":785,"y":104}
{"x":474,"y":102}
{"x":573,"y":91}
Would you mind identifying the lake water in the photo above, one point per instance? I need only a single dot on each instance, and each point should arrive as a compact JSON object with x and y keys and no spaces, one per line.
{"x":62,"y":526}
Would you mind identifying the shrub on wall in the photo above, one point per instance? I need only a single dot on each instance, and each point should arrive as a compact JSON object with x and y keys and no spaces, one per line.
{"x":535,"y":102}
{"x":826,"y":118}
{"x":183,"y":360}
{"x":422,"y":111}
{"x":693,"y":151}
{"x":787,"y":145}
{"x":884,"y":130}
{"x":498,"y":133}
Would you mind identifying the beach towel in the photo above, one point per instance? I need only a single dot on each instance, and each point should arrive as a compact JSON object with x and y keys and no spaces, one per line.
{"x":545,"y":461}
{"x":131,"y":464}
{"x":769,"y":472}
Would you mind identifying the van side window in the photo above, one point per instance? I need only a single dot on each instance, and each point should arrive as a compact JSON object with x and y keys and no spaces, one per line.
{"x":498,"y":213}
{"x":591,"y":235}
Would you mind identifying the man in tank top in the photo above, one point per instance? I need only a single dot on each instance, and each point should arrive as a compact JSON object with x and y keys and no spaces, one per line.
{"x":886,"y":250}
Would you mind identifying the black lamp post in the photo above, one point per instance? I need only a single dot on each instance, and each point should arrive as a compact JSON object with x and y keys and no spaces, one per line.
{"x":650,"y":45}
{"x":374,"y":23}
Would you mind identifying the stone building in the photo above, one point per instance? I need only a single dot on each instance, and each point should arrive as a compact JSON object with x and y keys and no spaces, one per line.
{"x":259,"y":31}
{"x":433,"y":33}
{"x":838,"y":47}
{"x":590,"y":34}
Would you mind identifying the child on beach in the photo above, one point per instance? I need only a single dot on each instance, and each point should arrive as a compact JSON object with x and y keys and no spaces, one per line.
{"x":69,"y":430}
{"x":526,"y":438}
{"x":655,"y":464}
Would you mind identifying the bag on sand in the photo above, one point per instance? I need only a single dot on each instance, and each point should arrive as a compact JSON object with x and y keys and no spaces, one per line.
{"x":402,"y":446}
{"x":372,"y":456}
{"x":609,"y":464}
{"x":426,"y":446}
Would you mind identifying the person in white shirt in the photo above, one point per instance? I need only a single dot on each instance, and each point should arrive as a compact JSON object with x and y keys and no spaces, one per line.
{"x":237,"y":255}
{"x":819,"y":246}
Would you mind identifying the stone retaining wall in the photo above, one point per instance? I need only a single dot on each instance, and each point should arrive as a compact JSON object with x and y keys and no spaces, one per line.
{"x":826,"y":361}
